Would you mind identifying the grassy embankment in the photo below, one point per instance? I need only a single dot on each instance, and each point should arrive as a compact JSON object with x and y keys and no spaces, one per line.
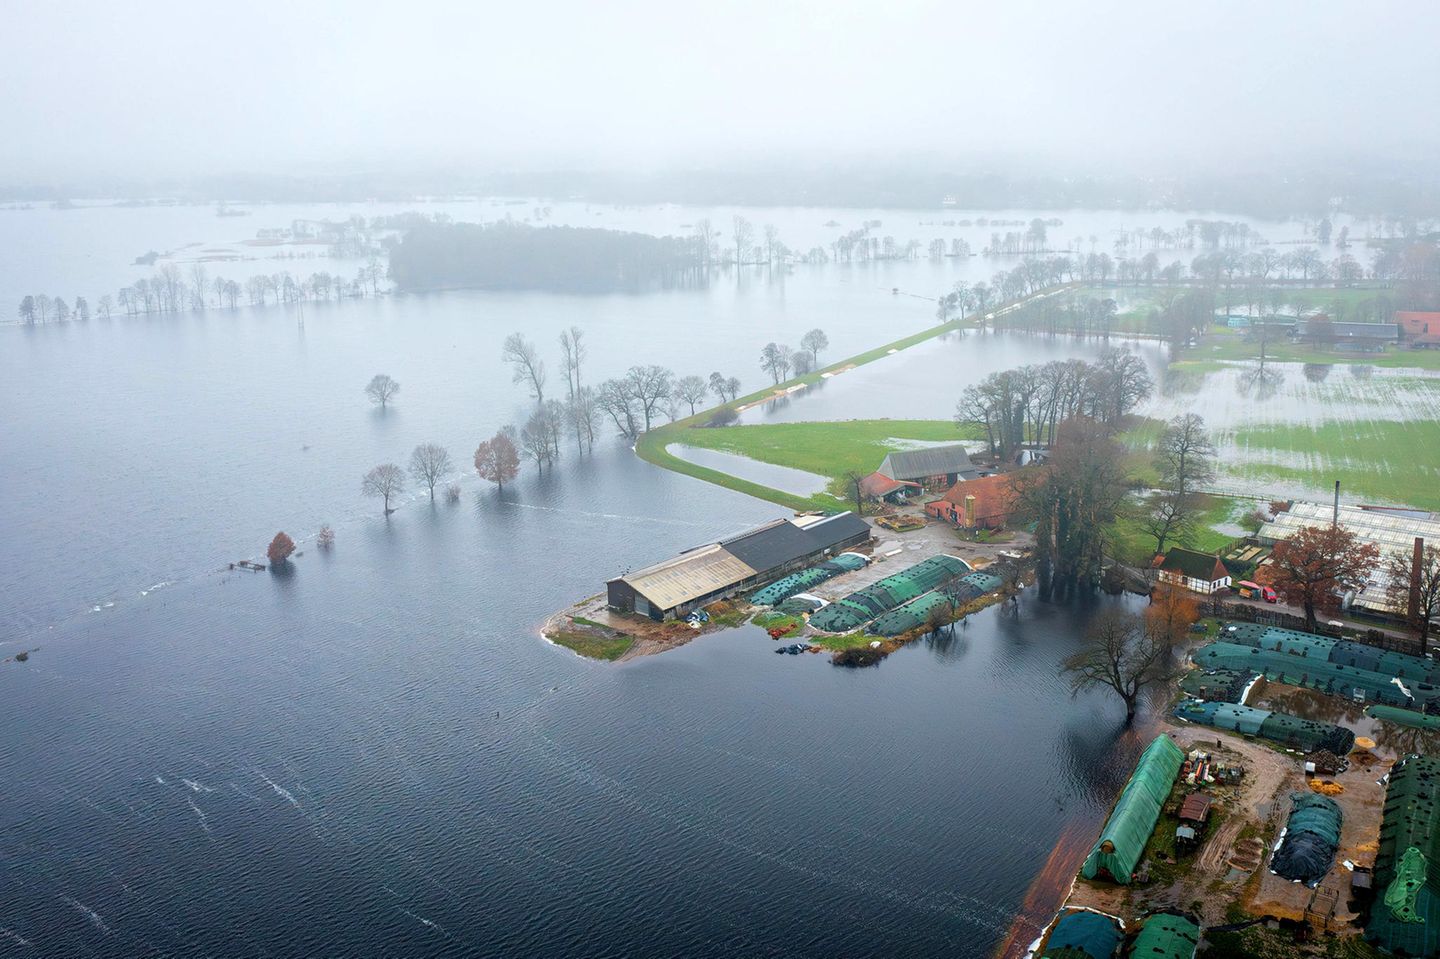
{"x":593,"y":645}
{"x":841,"y":441}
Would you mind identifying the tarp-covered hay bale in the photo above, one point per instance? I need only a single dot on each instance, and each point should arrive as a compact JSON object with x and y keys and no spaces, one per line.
{"x":1307,"y":850}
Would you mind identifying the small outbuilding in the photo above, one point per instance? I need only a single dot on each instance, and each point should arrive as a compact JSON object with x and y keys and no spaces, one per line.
{"x":1419,"y":330}
{"x":879,"y":488}
{"x":1198,"y":572}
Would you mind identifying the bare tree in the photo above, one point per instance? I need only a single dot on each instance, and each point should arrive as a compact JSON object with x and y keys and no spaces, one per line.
{"x":650,"y":386}
{"x":854,"y":485}
{"x":1185,"y":460}
{"x":615,"y":400}
{"x":775,"y":360}
{"x":741,"y":234}
{"x":535,"y":440}
{"x":572,"y":349}
{"x":428,"y":463}
{"x":1120,"y":655}
{"x":385,"y":481}
{"x":691,"y":390}
{"x":814,"y":342}
{"x":497,"y":460}
{"x":199,"y":280}
{"x":584,"y":414}
{"x":1415,"y":588}
{"x":381,"y":389}
{"x":525,"y":360}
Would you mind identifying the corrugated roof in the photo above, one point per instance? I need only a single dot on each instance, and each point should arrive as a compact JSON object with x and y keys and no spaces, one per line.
{"x":689,"y":576}
{"x":878,"y":484}
{"x":1195,"y":807}
{"x":783,"y":542}
{"x":923,"y":463}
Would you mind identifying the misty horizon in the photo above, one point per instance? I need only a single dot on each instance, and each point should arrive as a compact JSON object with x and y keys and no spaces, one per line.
{"x":647,"y":90}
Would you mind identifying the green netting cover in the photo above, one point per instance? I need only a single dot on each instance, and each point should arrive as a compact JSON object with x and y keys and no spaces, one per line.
{"x":1311,"y":837}
{"x":1315,"y":673}
{"x":1236,"y":718}
{"x":1166,"y":937}
{"x":1403,"y":717}
{"x":861,"y":606}
{"x":1407,"y":920}
{"x":1123,"y":839}
{"x":1307,"y":735}
{"x":1341,"y":652}
{"x":1087,"y":933}
{"x":783,"y":589}
{"x":1222,"y":685}
{"x":1403,"y":894}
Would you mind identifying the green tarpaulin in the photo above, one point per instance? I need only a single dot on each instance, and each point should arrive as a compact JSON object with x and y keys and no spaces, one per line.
{"x":1083,"y":933}
{"x":861,"y":606}
{"x":1403,"y":717}
{"x":1166,"y":937}
{"x":1406,"y":921}
{"x":1122,"y":841}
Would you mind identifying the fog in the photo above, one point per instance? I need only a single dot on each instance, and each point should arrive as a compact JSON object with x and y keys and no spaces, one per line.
{"x":97,"y":88}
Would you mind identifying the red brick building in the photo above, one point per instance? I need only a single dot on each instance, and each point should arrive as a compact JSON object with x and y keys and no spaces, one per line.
{"x":983,"y":503}
{"x":1419,"y":329}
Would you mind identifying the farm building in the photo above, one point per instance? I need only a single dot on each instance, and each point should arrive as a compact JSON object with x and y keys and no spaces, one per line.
{"x":935,"y":467}
{"x":717,"y":571}
{"x":1344,"y":335}
{"x":1419,"y":330}
{"x":983,"y":503}
{"x":1128,"y":829}
{"x":1198,"y":572}
{"x":1385,"y":528}
{"x":879,"y":488}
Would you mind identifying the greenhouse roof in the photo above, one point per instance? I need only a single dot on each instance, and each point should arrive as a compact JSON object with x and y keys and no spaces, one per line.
{"x":1123,"y":839}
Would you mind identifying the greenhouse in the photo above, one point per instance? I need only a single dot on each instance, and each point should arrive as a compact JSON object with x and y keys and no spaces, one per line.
{"x":1165,"y":936}
{"x":1081,"y":934}
{"x":1403,"y":717}
{"x":1315,"y":673}
{"x":1223,"y":685}
{"x":916,"y":613}
{"x":1406,"y":919}
{"x":1307,"y":848}
{"x":783,"y":589}
{"x":860,"y":607}
{"x":1128,"y":829}
{"x":1340,"y":651}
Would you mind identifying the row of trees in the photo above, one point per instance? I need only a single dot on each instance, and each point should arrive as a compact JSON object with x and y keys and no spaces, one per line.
{"x":173,"y":290}
{"x":1026,"y":405}
{"x":781,"y":361}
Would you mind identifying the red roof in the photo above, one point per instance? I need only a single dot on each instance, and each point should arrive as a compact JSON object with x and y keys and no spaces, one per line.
{"x":994,"y":497}
{"x":878,"y":484}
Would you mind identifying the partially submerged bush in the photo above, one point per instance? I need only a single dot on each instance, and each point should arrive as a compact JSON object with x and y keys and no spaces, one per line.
{"x":724,"y":416}
{"x":452,"y":493}
{"x":280,"y":548}
{"x":857,"y":657}
{"x":326,"y":537}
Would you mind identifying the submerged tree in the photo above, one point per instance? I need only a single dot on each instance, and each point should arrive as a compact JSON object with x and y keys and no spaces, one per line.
{"x":1121,"y":655}
{"x":384,"y":481}
{"x":1317,"y":566}
{"x":280,"y":548}
{"x":497,"y":460}
{"x":526,"y":364}
{"x":428,"y":463}
{"x":381,"y":389}
{"x":1075,"y":499}
{"x":326,"y":537}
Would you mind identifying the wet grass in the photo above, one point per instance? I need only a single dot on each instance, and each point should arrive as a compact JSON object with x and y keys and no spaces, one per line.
{"x":1396,"y":461}
{"x":828,"y":449}
{"x":593,"y":646}
{"x":1133,"y":545}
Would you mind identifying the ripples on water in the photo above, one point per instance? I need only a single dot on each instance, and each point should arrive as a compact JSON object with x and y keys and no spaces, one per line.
{"x":200,"y":762}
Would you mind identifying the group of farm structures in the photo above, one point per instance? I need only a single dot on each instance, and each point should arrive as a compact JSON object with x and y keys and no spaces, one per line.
{"x":1288,"y":798}
{"x":851,"y":588}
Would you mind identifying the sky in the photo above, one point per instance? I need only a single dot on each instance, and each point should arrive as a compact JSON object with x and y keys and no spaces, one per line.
{"x":199,"y":87}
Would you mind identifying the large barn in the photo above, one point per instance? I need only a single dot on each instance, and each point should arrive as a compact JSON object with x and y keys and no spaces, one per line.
{"x":715,"y":571}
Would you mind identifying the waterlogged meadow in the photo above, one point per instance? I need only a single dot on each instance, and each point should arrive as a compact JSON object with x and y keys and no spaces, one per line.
{"x":1292,"y":429}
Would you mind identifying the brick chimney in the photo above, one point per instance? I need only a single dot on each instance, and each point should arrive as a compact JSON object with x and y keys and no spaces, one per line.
{"x":1413,"y":611}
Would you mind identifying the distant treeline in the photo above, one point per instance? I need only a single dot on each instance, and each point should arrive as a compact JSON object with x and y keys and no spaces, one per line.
{"x":513,"y":256}
{"x":1277,"y":192}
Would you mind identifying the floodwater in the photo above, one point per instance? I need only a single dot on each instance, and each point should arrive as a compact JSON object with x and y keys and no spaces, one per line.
{"x":374,"y":752}
{"x":784,"y":478}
